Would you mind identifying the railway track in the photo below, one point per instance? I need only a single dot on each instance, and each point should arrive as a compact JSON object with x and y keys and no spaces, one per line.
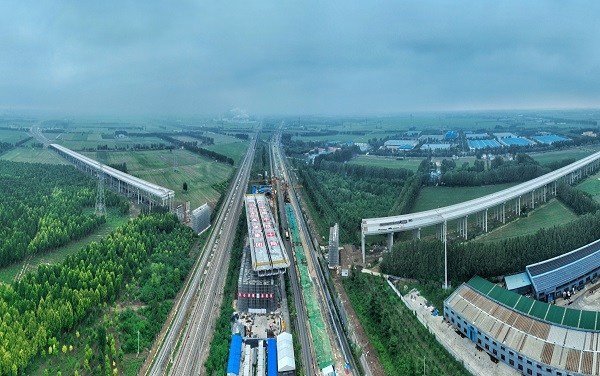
{"x":184,"y":348}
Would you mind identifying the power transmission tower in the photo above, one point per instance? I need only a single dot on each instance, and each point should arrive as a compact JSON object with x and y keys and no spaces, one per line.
{"x":100,"y":204}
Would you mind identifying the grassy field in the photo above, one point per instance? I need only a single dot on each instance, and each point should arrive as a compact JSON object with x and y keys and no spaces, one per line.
{"x":552,"y":214}
{"x":437,"y":197}
{"x":372,"y":160}
{"x":202,"y":175}
{"x":234,"y":150}
{"x":33,"y":155}
{"x":576,"y":153}
{"x":11,"y":136}
{"x":591,"y":185}
{"x":114,"y":220}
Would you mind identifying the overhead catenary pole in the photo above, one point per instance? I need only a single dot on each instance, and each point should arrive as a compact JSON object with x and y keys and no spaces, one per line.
{"x":445,"y":235}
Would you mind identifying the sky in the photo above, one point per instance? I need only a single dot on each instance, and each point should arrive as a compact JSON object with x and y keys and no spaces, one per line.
{"x":297,"y":57}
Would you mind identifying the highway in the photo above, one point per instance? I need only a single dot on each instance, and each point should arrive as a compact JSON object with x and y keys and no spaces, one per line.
{"x":432,"y":217}
{"x":329,"y":306}
{"x":186,"y":344}
{"x":301,"y":321}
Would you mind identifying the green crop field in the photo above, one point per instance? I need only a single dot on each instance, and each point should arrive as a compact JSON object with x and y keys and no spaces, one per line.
{"x":372,"y":160}
{"x":234,"y":150}
{"x":552,"y":214}
{"x":11,"y":136}
{"x":558,"y":155}
{"x":202,"y":175}
{"x":436,"y":197}
{"x":114,"y":219}
{"x":32,"y":155}
{"x":591,"y":185}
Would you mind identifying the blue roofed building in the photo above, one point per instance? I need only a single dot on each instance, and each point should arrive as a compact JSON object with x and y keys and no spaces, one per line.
{"x":235,"y":356}
{"x":451,"y":135}
{"x":552,"y":277}
{"x":519,"y":283}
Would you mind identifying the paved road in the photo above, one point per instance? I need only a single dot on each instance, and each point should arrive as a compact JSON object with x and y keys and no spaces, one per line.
{"x":186,"y":344}
{"x":301,"y":322}
{"x":36,"y":132}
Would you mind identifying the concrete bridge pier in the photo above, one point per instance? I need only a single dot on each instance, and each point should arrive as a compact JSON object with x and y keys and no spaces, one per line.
{"x":390,"y":241}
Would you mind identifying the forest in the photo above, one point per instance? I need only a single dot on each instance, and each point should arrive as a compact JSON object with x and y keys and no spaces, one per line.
{"x":44,"y":206}
{"x":347,"y":201}
{"x":522,"y":168}
{"x":401,"y":342}
{"x":55,"y":298}
{"x":424,"y":260}
{"x":579,"y":201}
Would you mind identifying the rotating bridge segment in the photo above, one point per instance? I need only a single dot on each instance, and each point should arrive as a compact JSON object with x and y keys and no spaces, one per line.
{"x":374,"y":226}
{"x":258,"y":247}
{"x":124,"y":183}
{"x":277,"y":254}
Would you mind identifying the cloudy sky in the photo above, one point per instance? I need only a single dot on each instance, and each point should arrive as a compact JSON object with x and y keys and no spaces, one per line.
{"x":297,"y":57}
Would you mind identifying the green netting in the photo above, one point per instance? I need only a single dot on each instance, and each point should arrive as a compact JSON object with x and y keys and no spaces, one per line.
{"x":313,"y":310}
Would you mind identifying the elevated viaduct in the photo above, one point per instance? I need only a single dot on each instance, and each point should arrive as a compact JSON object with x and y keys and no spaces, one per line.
{"x":123,"y":183}
{"x":494,"y":205}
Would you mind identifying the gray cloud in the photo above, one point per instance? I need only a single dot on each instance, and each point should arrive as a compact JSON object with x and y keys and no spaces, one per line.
{"x":196,"y":57}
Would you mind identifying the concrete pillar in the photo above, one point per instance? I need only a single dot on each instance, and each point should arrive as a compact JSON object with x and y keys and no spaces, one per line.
{"x":485,"y":220}
{"x":417,"y":233}
{"x":545,"y":191}
{"x":533,"y":199}
{"x":362,"y":244}
{"x":519,"y":206}
{"x":466,"y":224}
{"x":503,"y":212}
{"x":390,"y":240}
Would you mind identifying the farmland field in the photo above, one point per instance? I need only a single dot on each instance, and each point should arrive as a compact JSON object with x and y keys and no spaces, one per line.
{"x":437,"y":197}
{"x":234,"y":150}
{"x":32,"y":155}
{"x":552,"y":214}
{"x":11,"y":136}
{"x":591,"y":185}
{"x":201,"y":174}
{"x":558,"y":155}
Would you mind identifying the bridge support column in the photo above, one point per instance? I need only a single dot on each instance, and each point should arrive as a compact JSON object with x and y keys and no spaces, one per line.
{"x":417,"y":233}
{"x":503,"y":212}
{"x":545,"y":191}
{"x":466,"y":224}
{"x":362,"y":244}
{"x":533,"y":199}
{"x":390,"y":241}
{"x":440,"y":232}
{"x":485,"y":220}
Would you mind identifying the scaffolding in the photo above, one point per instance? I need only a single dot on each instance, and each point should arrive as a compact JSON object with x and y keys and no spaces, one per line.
{"x":256,"y":294}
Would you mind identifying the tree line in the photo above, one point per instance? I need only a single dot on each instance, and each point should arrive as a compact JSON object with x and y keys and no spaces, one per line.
{"x":579,"y":201}
{"x":198,"y":150}
{"x":34,"y":310}
{"x":400,"y":340}
{"x":43,"y":206}
{"x":424,"y":260}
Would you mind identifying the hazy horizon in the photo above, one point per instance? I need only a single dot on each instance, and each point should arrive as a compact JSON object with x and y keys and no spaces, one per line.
{"x":270,"y":58}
